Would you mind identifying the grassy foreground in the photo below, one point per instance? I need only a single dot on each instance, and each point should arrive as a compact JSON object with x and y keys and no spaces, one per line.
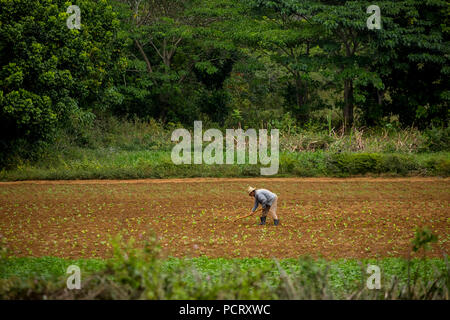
{"x":342,"y":272}
{"x":142,"y":273}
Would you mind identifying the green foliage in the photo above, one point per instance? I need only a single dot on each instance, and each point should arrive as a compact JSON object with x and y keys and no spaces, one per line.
{"x":437,"y":139}
{"x":346,"y":164}
{"x":443,"y":167}
{"x":398,"y":164}
{"x":423,"y":238}
{"x":412,"y":61}
{"x":175,"y":66}
{"x":113,"y":164}
{"x":45,"y":268}
{"x":142,"y":273}
{"x":380,"y":71}
{"x":49,"y":75}
{"x":118,"y":149}
{"x":250,"y":64}
{"x":351,"y":164}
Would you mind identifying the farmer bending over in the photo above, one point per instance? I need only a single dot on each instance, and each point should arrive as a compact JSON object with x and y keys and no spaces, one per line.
{"x":268,"y":201}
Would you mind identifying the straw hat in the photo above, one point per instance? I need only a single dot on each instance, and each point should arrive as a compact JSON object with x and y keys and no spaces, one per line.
{"x":250,"y":189}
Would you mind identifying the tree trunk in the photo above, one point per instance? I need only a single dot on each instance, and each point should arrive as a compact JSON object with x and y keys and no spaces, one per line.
{"x":147,"y":62}
{"x":163,"y":99}
{"x":299,"y":98}
{"x":298,"y":93}
{"x":348,"y":104}
{"x":380,"y":95}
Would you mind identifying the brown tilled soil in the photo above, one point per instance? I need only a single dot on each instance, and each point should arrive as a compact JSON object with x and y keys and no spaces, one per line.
{"x":333,"y":218}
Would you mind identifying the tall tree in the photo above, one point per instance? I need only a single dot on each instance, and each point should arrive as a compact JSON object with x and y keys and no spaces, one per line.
{"x":173,"y":41}
{"x":412,"y":59}
{"x":51,"y":75}
{"x":290,"y":41}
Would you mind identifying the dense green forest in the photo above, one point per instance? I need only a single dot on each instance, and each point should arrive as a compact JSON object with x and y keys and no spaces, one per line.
{"x":283,"y":64}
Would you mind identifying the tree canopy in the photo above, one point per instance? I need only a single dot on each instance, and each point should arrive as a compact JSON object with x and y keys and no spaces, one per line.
{"x":228,"y":62}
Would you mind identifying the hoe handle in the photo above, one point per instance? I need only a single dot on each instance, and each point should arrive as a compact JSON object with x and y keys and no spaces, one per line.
{"x":248,"y":215}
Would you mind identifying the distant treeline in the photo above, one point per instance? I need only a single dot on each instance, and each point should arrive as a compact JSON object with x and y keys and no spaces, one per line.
{"x":229,"y":63}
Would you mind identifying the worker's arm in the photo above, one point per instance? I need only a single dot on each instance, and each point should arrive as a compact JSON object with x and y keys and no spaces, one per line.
{"x":255,"y":206}
{"x":248,"y":215}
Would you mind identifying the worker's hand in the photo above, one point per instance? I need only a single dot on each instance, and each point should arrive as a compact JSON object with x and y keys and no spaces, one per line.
{"x":248,"y":215}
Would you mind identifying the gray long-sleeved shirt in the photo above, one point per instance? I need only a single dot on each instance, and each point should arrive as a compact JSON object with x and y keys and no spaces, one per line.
{"x":263,"y":197}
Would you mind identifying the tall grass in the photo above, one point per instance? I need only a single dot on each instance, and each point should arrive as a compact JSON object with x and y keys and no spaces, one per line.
{"x":141,"y":149}
{"x":138,"y":135}
{"x":378,"y":140}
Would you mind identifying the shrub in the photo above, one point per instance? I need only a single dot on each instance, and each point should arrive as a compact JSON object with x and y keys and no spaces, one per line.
{"x":397,"y":163}
{"x":354,"y":163}
{"x":443,"y":167}
{"x":437,"y":139}
{"x":438,"y":166}
{"x":250,"y":171}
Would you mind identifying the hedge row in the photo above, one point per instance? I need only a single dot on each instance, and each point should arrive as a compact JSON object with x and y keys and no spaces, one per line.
{"x":304,"y":164}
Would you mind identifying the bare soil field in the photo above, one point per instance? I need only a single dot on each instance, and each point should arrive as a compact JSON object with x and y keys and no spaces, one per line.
{"x":331,"y":218}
